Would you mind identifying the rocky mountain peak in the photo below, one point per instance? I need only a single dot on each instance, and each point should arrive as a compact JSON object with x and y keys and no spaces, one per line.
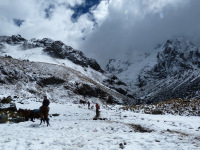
{"x":168,"y":72}
{"x":12,"y":40}
{"x":56,"y":49}
{"x":176,"y":56}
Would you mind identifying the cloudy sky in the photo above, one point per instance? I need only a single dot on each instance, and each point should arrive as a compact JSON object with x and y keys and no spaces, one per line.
{"x":102,"y":28}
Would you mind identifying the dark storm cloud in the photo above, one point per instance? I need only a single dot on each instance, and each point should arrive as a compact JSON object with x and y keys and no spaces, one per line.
{"x":142,"y":28}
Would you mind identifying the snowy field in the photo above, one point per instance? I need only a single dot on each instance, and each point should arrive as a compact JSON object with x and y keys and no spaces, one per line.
{"x":75,"y":129}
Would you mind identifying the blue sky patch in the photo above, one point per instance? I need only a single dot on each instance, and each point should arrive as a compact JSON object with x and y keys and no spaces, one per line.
{"x":18,"y":22}
{"x":83,"y":8}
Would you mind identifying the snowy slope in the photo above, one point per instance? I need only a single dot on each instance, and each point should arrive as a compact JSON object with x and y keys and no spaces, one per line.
{"x":74,"y":129}
{"x":128,"y":66}
{"x":37,"y":55}
{"x":59,"y":60}
{"x":34,"y":79}
{"x":33,"y":50}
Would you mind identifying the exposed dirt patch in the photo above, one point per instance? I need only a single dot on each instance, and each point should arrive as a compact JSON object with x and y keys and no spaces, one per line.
{"x":50,"y":81}
{"x":139,"y":128}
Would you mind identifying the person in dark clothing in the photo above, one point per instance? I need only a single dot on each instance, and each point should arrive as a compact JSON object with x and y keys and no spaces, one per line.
{"x":88,"y":105}
{"x":45,"y":102}
{"x":97,"y":110}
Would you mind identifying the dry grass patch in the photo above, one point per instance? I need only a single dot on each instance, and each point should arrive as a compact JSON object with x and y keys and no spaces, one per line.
{"x":173,"y":106}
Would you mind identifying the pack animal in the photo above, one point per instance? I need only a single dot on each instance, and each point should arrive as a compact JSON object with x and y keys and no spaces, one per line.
{"x":26,"y":113}
{"x":35,"y":114}
{"x":44,"y":110}
{"x":29,"y":114}
{"x":82,"y":102}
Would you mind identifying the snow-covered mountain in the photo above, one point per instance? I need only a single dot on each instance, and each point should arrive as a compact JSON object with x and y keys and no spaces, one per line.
{"x":37,"y":67}
{"x":169,"y":71}
{"x":56,"y":49}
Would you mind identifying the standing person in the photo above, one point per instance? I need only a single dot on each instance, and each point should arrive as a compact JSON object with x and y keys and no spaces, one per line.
{"x":97,"y":110}
{"x":88,"y":104}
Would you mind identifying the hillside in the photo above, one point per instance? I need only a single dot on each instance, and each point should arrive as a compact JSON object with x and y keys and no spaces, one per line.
{"x":34,"y":79}
{"x":36,"y":67}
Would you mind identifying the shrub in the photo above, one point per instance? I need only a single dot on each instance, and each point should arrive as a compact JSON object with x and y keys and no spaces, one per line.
{"x":6,"y":100}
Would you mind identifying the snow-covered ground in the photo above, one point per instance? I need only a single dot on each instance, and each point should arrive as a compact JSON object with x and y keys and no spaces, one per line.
{"x":75,"y":129}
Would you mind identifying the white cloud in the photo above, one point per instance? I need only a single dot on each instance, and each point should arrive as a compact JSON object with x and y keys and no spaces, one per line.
{"x":58,"y":27}
{"x":101,"y":12}
{"x":122,"y":24}
{"x":71,"y":2}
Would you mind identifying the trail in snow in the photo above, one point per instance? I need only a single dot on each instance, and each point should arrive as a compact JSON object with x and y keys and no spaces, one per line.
{"x":75,"y":129}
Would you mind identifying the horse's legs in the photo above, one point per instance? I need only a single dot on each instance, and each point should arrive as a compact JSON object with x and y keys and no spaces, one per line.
{"x":48,"y":122}
{"x":46,"y":118}
{"x":41,"y":118}
{"x":33,"y":116}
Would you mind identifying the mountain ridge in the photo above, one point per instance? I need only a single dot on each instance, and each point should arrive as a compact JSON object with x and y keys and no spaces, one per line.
{"x":55,"y":49}
{"x":167,"y":72}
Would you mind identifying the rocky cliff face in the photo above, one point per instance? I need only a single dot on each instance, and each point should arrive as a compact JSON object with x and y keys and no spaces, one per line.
{"x":176,"y":57}
{"x":174,"y":73}
{"x":12,"y":40}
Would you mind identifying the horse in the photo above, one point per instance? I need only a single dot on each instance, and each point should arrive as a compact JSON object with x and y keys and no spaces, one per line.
{"x":26,"y":113}
{"x":29,"y":114}
{"x":35,"y":114}
{"x":44,"y":110}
